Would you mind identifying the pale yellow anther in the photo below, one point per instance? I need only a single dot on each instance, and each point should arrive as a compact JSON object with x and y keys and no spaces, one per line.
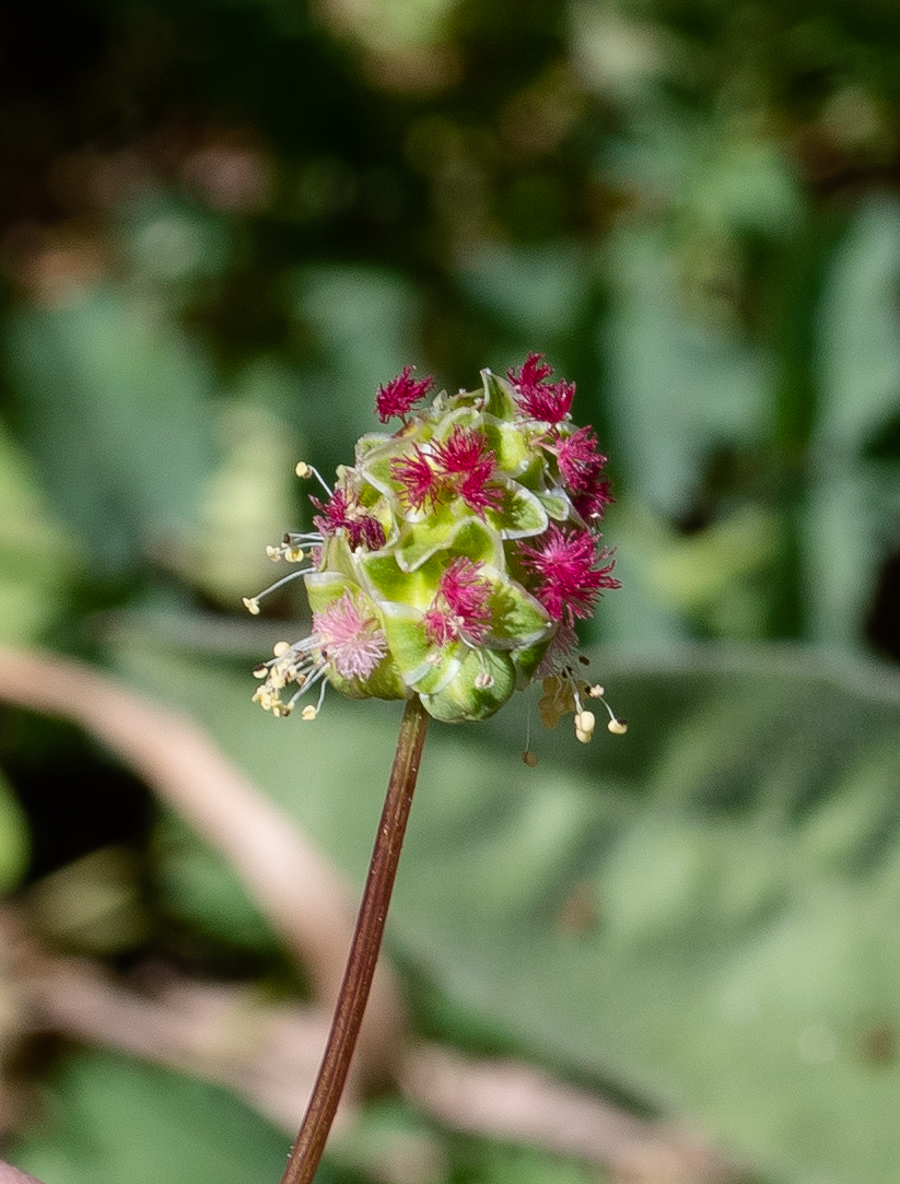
{"x":274,"y":553}
{"x":308,"y":712}
{"x":618,"y":727}
{"x":585,"y":721}
{"x":264,"y":697}
{"x":251,"y":604}
{"x":294,"y":554}
{"x":483,"y":680}
{"x":260,"y":672}
{"x":302,"y":469}
{"x":280,"y":647}
{"x":596,"y":692}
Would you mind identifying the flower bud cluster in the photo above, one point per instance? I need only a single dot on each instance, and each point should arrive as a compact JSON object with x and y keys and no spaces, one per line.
{"x":452,"y":559}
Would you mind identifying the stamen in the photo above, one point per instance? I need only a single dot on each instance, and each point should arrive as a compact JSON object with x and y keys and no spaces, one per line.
{"x":251,"y":603}
{"x":318,"y":707}
{"x":585,"y":722}
{"x":305,"y":471}
{"x":617,"y":726}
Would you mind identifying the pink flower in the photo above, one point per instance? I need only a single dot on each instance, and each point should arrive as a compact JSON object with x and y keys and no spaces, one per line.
{"x":419,"y":480}
{"x":343,"y":512}
{"x":460,"y":606}
{"x":439,"y":627}
{"x":538,"y":399}
{"x":466,"y":464}
{"x":460,"y":467}
{"x":563,"y":562}
{"x":353,"y":644}
{"x":397,"y":397}
{"x":580,"y":466}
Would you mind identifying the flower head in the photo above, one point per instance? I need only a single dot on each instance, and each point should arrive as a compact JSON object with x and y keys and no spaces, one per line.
{"x":452,"y":559}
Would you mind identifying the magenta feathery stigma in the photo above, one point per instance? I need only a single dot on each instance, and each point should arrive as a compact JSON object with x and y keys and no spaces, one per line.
{"x":453,"y":558}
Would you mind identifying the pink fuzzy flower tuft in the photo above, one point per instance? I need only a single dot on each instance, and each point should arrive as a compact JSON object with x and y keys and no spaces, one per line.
{"x":419,"y":480}
{"x":460,"y":607}
{"x":460,"y":467}
{"x":568,"y":582}
{"x":395,"y":399}
{"x":466,"y":464}
{"x":343,"y":512}
{"x":580,"y":466}
{"x":538,"y":399}
{"x":352,"y":643}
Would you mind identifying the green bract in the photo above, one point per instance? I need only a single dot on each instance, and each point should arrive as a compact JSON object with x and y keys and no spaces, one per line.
{"x":451,"y":559}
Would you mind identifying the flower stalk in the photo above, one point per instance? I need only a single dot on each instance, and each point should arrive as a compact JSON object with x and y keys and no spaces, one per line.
{"x":310,"y":1142}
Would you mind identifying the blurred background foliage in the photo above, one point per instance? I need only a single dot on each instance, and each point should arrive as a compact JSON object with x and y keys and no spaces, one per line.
{"x":222,"y":224}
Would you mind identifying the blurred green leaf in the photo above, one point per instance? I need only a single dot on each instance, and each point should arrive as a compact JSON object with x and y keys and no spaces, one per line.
{"x":116,"y":1121}
{"x":196,"y":884}
{"x":116,"y":416}
{"x":859,"y":374}
{"x":37,"y":557}
{"x":704,"y":911}
{"x":676,"y":387}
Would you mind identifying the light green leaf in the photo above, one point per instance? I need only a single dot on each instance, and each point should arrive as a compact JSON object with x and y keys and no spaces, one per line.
{"x":735,"y":863}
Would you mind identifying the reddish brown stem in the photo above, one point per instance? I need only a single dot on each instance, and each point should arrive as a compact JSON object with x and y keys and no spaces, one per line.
{"x":351,"y":1004}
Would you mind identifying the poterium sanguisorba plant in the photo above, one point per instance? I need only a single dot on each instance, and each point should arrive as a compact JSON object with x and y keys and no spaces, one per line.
{"x":448,"y":567}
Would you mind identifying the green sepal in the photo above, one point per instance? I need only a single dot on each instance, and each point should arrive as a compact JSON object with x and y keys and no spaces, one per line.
{"x":557,"y":505}
{"x":527,"y":659}
{"x":521,"y":514}
{"x":511,"y":445}
{"x":375,"y":459}
{"x":413,"y":653}
{"x":337,"y":558}
{"x":441,"y":529}
{"x":498,"y":399}
{"x":518,"y":619}
{"x":383,"y":579}
{"x":464,"y":415}
{"x":461,"y":701}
